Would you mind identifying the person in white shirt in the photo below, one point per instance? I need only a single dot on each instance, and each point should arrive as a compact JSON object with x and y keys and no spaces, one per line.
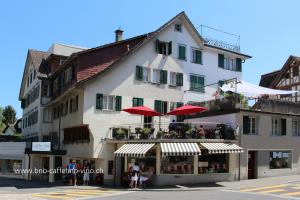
{"x":135,"y":175}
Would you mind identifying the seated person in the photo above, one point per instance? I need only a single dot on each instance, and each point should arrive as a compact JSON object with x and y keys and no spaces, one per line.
{"x":172,"y":126}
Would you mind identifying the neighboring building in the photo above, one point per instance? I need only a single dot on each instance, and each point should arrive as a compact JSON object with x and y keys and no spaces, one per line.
{"x":12,"y":129}
{"x":81,"y":98}
{"x":269,"y":137}
{"x":287,"y":78}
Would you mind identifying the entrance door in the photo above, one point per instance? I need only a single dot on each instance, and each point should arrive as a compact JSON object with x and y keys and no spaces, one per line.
{"x":252,"y":164}
{"x":57,"y":164}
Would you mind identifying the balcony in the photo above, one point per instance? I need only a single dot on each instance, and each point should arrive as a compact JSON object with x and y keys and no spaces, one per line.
{"x":172,"y":131}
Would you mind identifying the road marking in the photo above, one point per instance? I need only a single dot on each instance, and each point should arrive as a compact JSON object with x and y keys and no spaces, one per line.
{"x":292,"y":194}
{"x":50,"y":196}
{"x":271,"y":191}
{"x":264,"y":188}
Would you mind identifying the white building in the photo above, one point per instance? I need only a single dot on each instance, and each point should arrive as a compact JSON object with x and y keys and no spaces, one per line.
{"x":81,"y":99}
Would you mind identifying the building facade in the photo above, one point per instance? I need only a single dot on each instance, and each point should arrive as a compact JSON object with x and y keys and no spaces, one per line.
{"x":81,"y":99}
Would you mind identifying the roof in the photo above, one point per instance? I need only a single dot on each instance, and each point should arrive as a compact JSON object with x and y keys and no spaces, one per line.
{"x":234,"y":52}
{"x":284,"y":68}
{"x":267,"y":79}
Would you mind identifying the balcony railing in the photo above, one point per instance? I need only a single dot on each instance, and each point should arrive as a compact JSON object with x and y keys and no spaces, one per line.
{"x":178,"y":130}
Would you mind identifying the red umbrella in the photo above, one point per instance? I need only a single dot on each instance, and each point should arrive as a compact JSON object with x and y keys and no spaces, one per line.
{"x":142,"y":110}
{"x":186,"y":109}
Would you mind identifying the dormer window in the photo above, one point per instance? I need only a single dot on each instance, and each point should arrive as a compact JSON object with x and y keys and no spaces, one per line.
{"x":62,"y":61}
{"x":178,"y":27}
{"x":164,"y":48}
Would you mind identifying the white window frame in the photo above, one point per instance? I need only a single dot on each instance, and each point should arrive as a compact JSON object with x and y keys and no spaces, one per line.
{"x":156,"y":76}
{"x":276,"y":128}
{"x":172,"y":79}
{"x":253,"y":122}
{"x":106,"y":102}
{"x":68,"y":75}
{"x":193,"y":55}
{"x":186,"y":56}
{"x":146,"y":74}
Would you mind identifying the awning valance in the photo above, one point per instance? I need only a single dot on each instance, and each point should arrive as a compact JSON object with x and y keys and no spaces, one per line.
{"x":180,"y":149}
{"x":214,"y":148}
{"x":134,"y":150}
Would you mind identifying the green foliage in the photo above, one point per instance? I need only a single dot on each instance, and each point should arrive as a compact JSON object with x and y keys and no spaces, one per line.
{"x":9,"y":115}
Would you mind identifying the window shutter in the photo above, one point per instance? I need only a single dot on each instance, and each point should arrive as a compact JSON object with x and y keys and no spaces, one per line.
{"x":179,"y":104}
{"x":139,"y":73}
{"x":179,"y":79}
{"x":118,"y":103}
{"x":134,"y":102}
{"x":140,"y":101}
{"x":99,"y":101}
{"x":170,"y":48}
{"x":221,"y":60}
{"x":158,"y":106}
{"x":238,"y":62}
{"x":246,"y":125}
{"x":181,"y":52}
{"x":157,"y":46}
{"x":201,"y":83}
{"x":163,"y":77}
{"x":198,"y":56}
{"x":193,"y":82}
{"x":283,"y":126}
{"x":221,"y":83}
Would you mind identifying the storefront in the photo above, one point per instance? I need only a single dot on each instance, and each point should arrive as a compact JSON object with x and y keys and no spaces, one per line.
{"x":180,"y":162}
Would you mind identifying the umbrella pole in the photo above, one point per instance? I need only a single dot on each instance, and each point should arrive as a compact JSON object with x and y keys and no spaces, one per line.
{"x":159,"y":122}
{"x":141,"y":121}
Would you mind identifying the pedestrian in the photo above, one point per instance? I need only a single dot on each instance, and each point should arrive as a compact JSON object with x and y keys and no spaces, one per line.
{"x":86,"y":174}
{"x":72,"y":171}
{"x":135,"y":175}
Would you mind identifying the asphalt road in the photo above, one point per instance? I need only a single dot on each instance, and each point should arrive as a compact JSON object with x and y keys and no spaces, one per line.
{"x":192,"y":195}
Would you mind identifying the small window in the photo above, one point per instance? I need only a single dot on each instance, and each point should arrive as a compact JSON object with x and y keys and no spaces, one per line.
{"x":196,"y":56}
{"x":296,"y":127}
{"x":108,"y":102}
{"x":250,"y":125}
{"x":137,"y":102}
{"x":45,"y":90}
{"x":280,"y":159}
{"x":146,"y":74}
{"x":278,"y":126}
{"x":68,"y":75}
{"x":161,"y":106}
{"x":178,"y":27}
{"x":173,"y":78}
{"x":164,"y":48}
{"x":156,"y":76}
{"x":197,"y":83}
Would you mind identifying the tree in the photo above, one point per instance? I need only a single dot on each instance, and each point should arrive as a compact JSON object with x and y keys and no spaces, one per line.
{"x":9,"y":115}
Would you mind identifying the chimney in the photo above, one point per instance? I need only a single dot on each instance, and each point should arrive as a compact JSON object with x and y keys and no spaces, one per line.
{"x":119,"y":34}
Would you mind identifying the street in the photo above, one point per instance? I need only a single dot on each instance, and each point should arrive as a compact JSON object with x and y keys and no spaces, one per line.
{"x":286,"y":187}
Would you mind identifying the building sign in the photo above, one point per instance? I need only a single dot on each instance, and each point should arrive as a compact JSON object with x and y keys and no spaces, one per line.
{"x":41,"y":146}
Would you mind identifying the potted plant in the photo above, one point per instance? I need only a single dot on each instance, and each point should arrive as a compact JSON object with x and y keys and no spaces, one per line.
{"x":120,"y":133}
{"x":173,"y":134}
{"x":159,"y":134}
{"x":188,"y":133}
{"x":145,"y":133}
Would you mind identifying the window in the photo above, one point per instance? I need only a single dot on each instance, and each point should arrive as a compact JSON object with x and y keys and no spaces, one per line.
{"x":250,"y":125}
{"x":76,"y":134}
{"x":146,"y":74}
{"x":45,"y":90}
{"x":161,"y":106}
{"x":62,"y":61}
{"x":229,"y":63}
{"x":156,"y":76}
{"x":177,"y":165}
{"x":173,"y":78}
{"x":47,"y":115}
{"x":55,"y":85}
{"x":280,"y":159}
{"x":197,"y":83}
{"x":73,"y":104}
{"x":30,"y":77}
{"x":68,"y":75}
{"x":137,"y":102}
{"x":181,"y":52}
{"x":196,"y":56}
{"x":213,"y":163}
{"x":66,"y":107}
{"x":34,"y":74}
{"x":110,"y":167}
{"x":142,"y":74}
{"x":296,"y":127}
{"x":164,"y":48}
{"x":178,"y":27}
{"x":278,"y":126}
{"x":108,"y":102}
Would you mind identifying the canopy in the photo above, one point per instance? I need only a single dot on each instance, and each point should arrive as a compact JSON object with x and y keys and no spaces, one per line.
{"x":251,"y":90}
{"x":134,"y":150}
{"x":215,"y":148}
{"x":180,"y":149}
{"x":186,"y":109}
{"x":142,"y":110}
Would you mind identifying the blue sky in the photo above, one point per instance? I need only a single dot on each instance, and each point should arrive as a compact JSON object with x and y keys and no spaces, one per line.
{"x":269,"y":30}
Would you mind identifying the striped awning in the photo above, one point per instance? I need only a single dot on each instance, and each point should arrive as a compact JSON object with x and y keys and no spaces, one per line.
{"x":180,"y":149}
{"x":134,"y":150}
{"x":214,"y":148}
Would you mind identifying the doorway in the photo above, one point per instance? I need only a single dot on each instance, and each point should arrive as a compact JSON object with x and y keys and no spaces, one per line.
{"x":252,"y":164}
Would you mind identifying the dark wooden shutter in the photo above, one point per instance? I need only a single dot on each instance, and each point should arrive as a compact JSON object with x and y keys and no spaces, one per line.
{"x":221,"y":60}
{"x":118,"y":106}
{"x":193,"y":82}
{"x":179,"y":104}
{"x":157,"y":46}
{"x":283,"y":126}
{"x":181,"y":52}
{"x":201,"y":84}
{"x":140,"y":101}
{"x":139,"y":73}
{"x":238,"y":63}
{"x":179,"y":79}
{"x":134,"y":102}
{"x":170,"y":48}
{"x":198,"y":56}
{"x":246,"y":125}
{"x":158,"y":106}
{"x":99,"y":101}
{"x":163,"y":77}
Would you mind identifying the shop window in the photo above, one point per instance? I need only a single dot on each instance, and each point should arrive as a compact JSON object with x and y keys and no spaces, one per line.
{"x":213,"y":163}
{"x":110,"y":167}
{"x":280,"y":159}
{"x":177,"y":165}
